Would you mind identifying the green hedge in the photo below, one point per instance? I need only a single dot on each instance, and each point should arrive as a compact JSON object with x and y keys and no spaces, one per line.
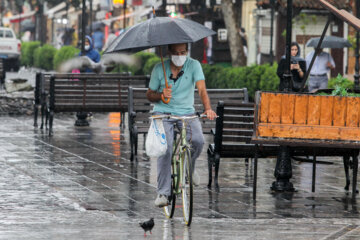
{"x":146,"y":62}
{"x":255,"y":77}
{"x":44,"y":56}
{"x":63,"y":54}
{"x":27,"y":53}
{"x":150,"y":64}
{"x":341,"y":82}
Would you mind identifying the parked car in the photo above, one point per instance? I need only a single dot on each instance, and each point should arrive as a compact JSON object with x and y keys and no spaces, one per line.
{"x":10,"y":49}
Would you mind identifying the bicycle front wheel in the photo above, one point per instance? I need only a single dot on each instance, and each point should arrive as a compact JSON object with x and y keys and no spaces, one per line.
{"x":187,"y":187}
{"x":175,"y":171}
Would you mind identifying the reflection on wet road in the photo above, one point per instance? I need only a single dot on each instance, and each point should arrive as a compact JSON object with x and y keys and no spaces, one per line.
{"x":80,"y":184}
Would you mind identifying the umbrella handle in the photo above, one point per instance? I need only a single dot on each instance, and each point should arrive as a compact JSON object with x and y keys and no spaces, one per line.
{"x":166,"y":101}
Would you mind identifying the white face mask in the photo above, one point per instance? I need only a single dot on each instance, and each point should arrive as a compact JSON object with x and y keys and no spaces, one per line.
{"x":87,"y":47}
{"x":178,"y":60}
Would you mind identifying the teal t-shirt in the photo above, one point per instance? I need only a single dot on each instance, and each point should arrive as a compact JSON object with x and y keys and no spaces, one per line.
{"x":182,"y":101}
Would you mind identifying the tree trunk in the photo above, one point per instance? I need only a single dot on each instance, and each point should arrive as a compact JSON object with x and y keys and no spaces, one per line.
{"x":235,"y":43}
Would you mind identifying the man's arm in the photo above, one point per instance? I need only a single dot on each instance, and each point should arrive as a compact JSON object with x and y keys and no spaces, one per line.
{"x":154,"y":96}
{"x":205,"y":99}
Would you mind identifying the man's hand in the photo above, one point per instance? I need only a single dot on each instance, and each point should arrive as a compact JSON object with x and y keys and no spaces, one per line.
{"x":167,"y":92}
{"x":210,"y":114}
{"x":329,"y":65}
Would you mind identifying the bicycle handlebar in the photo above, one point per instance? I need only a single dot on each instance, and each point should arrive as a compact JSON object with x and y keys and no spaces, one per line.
{"x":178,"y":117}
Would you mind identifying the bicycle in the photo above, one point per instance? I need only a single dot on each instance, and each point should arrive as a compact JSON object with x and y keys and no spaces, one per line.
{"x":181,"y":171}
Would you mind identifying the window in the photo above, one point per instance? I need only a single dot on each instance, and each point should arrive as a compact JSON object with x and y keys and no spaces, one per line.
{"x":8,"y":34}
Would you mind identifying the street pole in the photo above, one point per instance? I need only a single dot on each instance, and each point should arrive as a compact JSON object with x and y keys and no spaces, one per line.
{"x":272,"y":32}
{"x":124,"y":15}
{"x":83,"y":26}
{"x":287,"y":74}
{"x":283,"y":168}
{"x":357,"y":76}
{"x":91,"y":17}
{"x":81,"y":116}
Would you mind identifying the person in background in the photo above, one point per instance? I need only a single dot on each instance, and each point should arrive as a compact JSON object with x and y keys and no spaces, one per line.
{"x":75,"y":37}
{"x":110,"y":39}
{"x":318,"y":78}
{"x":67,"y":38}
{"x":209,"y":50}
{"x":244,"y":40}
{"x":94,"y":55}
{"x":90,"y":52}
{"x":98,"y":37}
{"x":297,"y":67}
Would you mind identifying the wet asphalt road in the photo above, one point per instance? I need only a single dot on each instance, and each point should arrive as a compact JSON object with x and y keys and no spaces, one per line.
{"x":80,"y":184}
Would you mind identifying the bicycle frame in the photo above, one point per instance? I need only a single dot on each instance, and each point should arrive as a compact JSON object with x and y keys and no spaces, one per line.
{"x":181,"y":172}
{"x":179,"y":148}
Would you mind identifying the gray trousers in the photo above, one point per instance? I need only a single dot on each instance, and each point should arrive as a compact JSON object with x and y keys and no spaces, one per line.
{"x":196,"y":140}
{"x":318,"y":82}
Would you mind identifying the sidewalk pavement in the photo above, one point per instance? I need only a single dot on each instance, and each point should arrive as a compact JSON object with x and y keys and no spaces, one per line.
{"x":80,"y":184}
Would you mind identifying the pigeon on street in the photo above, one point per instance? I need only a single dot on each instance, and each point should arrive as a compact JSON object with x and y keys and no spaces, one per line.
{"x":147,"y":225}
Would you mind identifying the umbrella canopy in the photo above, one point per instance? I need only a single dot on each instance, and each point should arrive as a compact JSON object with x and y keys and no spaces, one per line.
{"x":159,"y":31}
{"x":27,"y":25}
{"x":329,"y":42}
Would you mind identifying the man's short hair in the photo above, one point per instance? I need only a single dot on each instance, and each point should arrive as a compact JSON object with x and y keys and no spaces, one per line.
{"x":170,"y":45}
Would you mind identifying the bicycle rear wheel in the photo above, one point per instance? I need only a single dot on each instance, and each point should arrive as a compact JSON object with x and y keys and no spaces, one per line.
{"x":187,"y":188}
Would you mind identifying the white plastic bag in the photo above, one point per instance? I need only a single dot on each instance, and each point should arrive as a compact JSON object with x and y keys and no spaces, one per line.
{"x":156,"y":143}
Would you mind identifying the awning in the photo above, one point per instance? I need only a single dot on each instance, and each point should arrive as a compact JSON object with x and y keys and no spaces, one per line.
{"x":140,"y":13}
{"x":50,"y":13}
{"x":19,"y":17}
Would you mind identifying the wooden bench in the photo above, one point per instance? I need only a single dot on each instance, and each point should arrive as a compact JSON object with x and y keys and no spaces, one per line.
{"x":2,"y":72}
{"x":42,"y":90}
{"x":233,"y":136}
{"x":91,"y":93}
{"x":140,"y":108}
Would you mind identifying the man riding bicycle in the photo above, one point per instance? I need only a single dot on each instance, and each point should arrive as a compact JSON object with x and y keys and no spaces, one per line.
{"x":184,"y":73}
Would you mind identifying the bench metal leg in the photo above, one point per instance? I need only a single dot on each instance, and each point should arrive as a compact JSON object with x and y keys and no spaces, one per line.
{"x":217,"y":164}
{"x":313,"y":174}
{"x":210,"y":157}
{"x":36,"y":111}
{"x":346,"y":161}
{"x":51,"y":123}
{"x":42,"y":116}
{"x":47,"y":112}
{"x":135,"y":140}
{"x":355,"y":171}
{"x":255,"y":173}
{"x":122,"y":118}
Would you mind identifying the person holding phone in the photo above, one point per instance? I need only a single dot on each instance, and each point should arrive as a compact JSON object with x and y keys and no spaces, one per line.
{"x":297,"y":67}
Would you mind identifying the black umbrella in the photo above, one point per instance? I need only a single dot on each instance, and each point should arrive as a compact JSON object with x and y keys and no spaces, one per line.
{"x":159,"y":31}
{"x":329,"y":42}
{"x":27,"y":25}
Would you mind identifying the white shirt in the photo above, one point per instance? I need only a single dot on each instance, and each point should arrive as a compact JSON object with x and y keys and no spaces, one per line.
{"x":209,"y":49}
{"x":320,"y":65}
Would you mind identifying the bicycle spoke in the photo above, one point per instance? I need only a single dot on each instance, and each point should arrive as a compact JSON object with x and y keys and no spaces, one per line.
{"x":170,"y":209}
{"x":187,"y":188}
